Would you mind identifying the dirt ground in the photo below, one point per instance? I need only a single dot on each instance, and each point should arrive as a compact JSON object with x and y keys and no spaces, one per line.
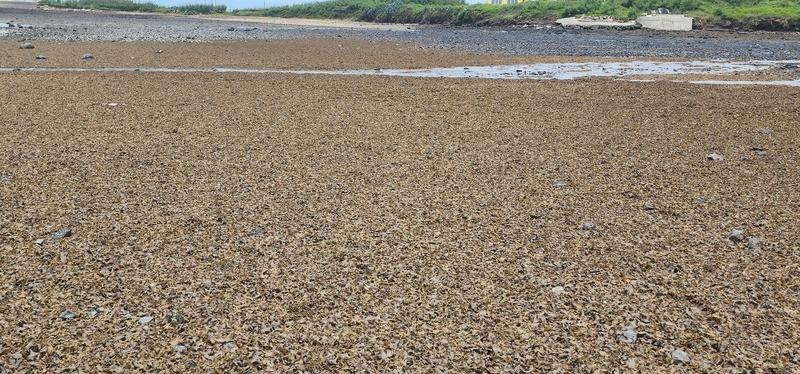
{"x":339,"y":224}
{"x":320,"y":53}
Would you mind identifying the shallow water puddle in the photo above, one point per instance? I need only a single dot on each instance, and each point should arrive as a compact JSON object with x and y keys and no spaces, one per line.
{"x":558,"y":71}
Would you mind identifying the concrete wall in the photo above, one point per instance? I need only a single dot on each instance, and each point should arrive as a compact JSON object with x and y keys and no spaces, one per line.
{"x":667,"y":22}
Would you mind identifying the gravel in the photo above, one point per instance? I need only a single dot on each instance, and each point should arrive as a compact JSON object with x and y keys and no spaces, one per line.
{"x":64,"y":25}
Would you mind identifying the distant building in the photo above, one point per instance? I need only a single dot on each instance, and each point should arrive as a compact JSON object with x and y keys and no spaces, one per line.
{"x":505,"y":2}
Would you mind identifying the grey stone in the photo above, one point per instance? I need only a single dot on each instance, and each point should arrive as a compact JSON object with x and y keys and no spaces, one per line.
{"x":588,"y":226}
{"x":557,"y":290}
{"x":67,"y":315}
{"x":41,"y":57}
{"x":94,"y":311}
{"x":146,"y":320}
{"x":713,"y":156}
{"x":181,"y":347}
{"x":39,"y":242}
{"x":61,"y":234}
{"x":26,"y":45}
{"x":629,"y":334}
{"x":559,"y":184}
{"x":88,"y":56}
{"x":759,"y":151}
{"x":259,"y":230}
{"x":176,"y":318}
{"x":736,"y":235}
{"x":6,"y":178}
{"x":648,"y":207}
{"x":680,"y":356}
{"x":754,"y":243}
{"x":229,"y":345}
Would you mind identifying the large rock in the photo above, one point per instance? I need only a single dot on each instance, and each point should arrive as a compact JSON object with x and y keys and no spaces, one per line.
{"x":666,"y":22}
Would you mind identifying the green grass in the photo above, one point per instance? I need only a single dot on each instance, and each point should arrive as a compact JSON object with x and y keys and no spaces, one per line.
{"x":774,"y":14}
{"x":130,"y":6}
{"x":747,"y":14}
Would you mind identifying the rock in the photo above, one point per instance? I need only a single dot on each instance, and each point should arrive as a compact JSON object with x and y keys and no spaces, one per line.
{"x":26,"y":45}
{"x":680,"y":356}
{"x":557,"y":291}
{"x":759,"y":151}
{"x":94,"y":311}
{"x":648,"y":207}
{"x":765,"y":130}
{"x":229,"y":345}
{"x":736,"y":235}
{"x":39,"y":242}
{"x":67,"y":315}
{"x":754,"y":243}
{"x":175,"y":318}
{"x":629,"y":334}
{"x":559,"y":184}
{"x":713,"y":156}
{"x":181,"y":347}
{"x":6,"y":178}
{"x":259,"y":230}
{"x":41,"y":57}
{"x":146,"y":320}
{"x":87,"y":56}
{"x":160,"y":51}
{"x":588,"y":226}
{"x":61,"y":234}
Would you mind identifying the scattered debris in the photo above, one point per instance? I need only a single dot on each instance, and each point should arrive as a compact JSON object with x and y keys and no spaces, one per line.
{"x":736,"y":235}
{"x":176,"y":318}
{"x":94,"y":311}
{"x":680,"y":356}
{"x":629,"y":334}
{"x":61,"y":234}
{"x":67,"y":315}
{"x":26,"y":45}
{"x":754,"y":243}
{"x":713,"y":156}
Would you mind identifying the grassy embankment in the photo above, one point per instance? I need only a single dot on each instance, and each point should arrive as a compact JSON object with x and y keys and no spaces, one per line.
{"x":743,"y":14}
{"x":748,"y":14}
{"x":130,"y":6}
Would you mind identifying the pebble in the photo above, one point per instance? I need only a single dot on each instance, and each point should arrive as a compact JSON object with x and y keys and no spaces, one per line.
{"x":176,"y":318}
{"x":87,"y":56}
{"x":160,"y":51}
{"x":94,"y":311}
{"x":648,"y":207}
{"x":588,"y":226}
{"x":145,"y":320}
{"x":736,"y":235}
{"x":259,"y":230}
{"x":680,"y":356}
{"x":41,"y":57}
{"x":39,"y":242}
{"x":765,"y":130}
{"x":559,"y":184}
{"x":754,"y":243}
{"x":557,"y":291}
{"x":713,"y":156}
{"x":26,"y":45}
{"x":229,"y":345}
{"x":67,"y":315}
{"x":629,"y":334}
{"x":759,"y":151}
{"x":61,"y":234}
{"x":6,"y":178}
{"x":181,"y":347}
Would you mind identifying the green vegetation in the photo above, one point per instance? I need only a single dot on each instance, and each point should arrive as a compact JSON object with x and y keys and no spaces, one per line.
{"x":130,"y":6}
{"x":745,"y":14}
{"x":761,"y":14}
